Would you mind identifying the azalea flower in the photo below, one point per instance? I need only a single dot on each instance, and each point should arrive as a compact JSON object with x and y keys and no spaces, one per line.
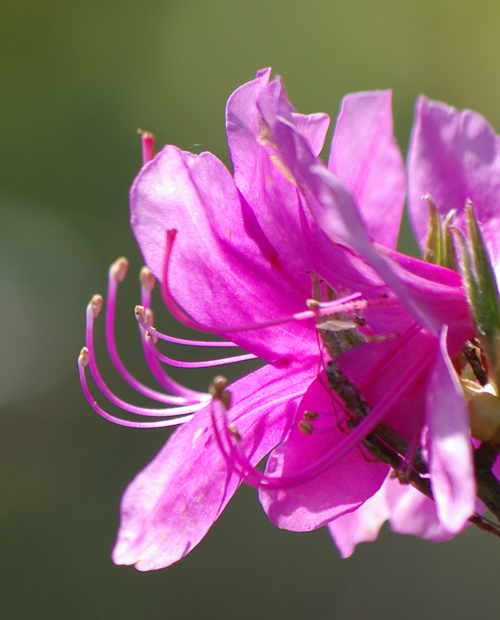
{"x":294,"y":261}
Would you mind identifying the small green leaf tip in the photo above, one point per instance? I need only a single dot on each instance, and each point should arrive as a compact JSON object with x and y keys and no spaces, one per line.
{"x":482,"y":290}
{"x":440,"y":249}
{"x":450,"y":254}
{"x":434,"y":250}
{"x":489,"y":299}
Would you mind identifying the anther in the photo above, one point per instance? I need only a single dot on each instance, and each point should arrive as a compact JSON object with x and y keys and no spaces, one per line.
{"x":233,"y":430}
{"x":83,"y":358}
{"x":305,"y":427}
{"x":401,"y":476}
{"x":149,"y":317}
{"x":312,"y":304}
{"x":96,"y":305}
{"x":310,"y":415}
{"x":118,"y":269}
{"x":147,"y":279}
{"x":140,"y":311}
{"x":148,"y":335}
{"x":217,"y":389}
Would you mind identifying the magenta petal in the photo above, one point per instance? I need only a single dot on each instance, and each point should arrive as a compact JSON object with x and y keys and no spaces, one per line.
{"x":314,"y":128}
{"x":334,"y":208}
{"x":173,"y":502}
{"x":366,"y":157}
{"x":363,"y":524}
{"x":454,"y":156}
{"x":330,"y":202}
{"x":271,"y":194}
{"x":340,"y":489}
{"x":449,"y":443}
{"x":415,"y":515}
{"x":223,"y":269}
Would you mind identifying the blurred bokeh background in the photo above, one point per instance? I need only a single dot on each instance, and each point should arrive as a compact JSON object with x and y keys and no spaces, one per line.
{"x":78,"y":79}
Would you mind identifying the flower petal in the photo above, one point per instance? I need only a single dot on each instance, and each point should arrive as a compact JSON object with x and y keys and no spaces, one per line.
{"x":363,"y":524}
{"x":271,"y":194}
{"x":331,"y":204}
{"x":224,"y":271}
{"x":340,"y":489}
{"x":170,"y":506}
{"x":454,"y":156}
{"x":367,"y":159}
{"x":449,"y":443}
{"x":415,"y":514}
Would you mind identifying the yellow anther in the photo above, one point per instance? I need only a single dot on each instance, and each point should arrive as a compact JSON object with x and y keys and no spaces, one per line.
{"x":147,"y":279}
{"x":96,"y":304}
{"x":119,"y":269}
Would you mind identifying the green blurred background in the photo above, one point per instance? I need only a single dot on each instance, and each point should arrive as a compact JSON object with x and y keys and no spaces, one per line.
{"x":78,"y":79}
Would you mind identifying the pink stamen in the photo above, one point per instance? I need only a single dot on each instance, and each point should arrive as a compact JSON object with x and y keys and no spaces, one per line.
{"x":317,"y":310}
{"x":185,"y":405}
{"x":117,"y":273}
{"x":364,"y":428}
{"x":409,"y":457}
{"x":83,"y":361}
{"x":139,"y":315}
{"x":148,"y":281}
{"x":201,"y":364}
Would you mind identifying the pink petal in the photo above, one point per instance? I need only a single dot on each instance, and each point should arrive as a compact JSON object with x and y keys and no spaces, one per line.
{"x":415,"y":514}
{"x":223,"y":268}
{"x":363,"y":524}
{"x":333,"y":207}
{"x":270,"y":193}
{"x":173,"y":502}
{"x":340,"y":489}
{"x":454,"y":156}
{"x":449,"y":443}
{"x":438,"y":292}
{"x":367,"y":159}
{"x":314,"y":128}
{"x":336,"y":212}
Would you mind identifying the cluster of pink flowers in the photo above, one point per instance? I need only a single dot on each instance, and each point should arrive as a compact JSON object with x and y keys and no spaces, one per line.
{"x":360,"y":406}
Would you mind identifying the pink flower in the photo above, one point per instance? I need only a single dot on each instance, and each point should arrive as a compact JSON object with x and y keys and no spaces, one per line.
{"x":243,"y":257}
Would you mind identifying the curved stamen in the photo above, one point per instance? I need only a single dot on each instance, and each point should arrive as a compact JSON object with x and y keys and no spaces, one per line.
{"x":83,"y":361}
{"x":409,"y":459}
{"x":221,"y":398}
{"x":332,"y":305}
{"x":201,"y":364}
{"x":186,"y":406}
{"x":146,"y":314}
{"x":148,"y":281}
{"x":117,"y":273}
{"x":316,"y":310}
{"x":139,"y":315}
{"x":364,"y":428}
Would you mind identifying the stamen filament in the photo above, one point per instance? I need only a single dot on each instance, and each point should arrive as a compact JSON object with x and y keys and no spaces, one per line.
{"x":201,"y":364}
{"x":111,"y":418}
{"x":186,"y":405}
{"x":317,"y":310}
{"x":117,"y":273}
{"x":139,"y":315}
{"x":364,"y":428}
